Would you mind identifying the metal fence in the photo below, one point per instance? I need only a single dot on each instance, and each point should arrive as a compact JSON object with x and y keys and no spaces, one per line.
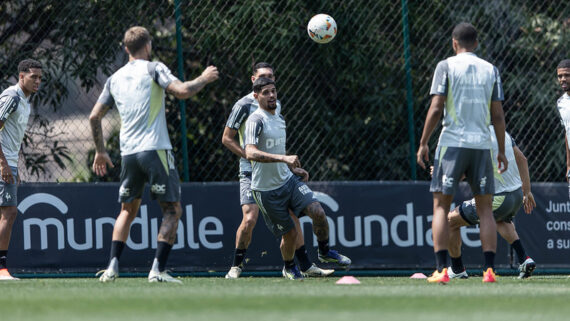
{"x":346,"y":103}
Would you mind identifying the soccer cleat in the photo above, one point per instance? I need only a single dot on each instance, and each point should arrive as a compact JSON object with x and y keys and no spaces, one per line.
{"x":155,"y":276}
{"x":108,"y":275}
{"x":333,"y":256}
{"x":6,"y":276}
{"x":439,"y":277}
{"x":292,"y":273}
{"x":314,"y":270}
{"x":489,"y":276}
{"x":234,"y":272}
{"x":453,"y":275}
{"x":526,"y":268}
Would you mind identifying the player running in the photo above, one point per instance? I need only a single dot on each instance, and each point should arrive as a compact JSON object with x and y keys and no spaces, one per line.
{"x":276,"y":181}
{"x":236,"y":126}
{"x":137,"y":90}
{"x":512,"y":190}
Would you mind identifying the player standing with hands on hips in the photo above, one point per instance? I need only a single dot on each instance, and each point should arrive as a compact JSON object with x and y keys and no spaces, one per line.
{"x":467,"y":89}
{"x":137,"y":90}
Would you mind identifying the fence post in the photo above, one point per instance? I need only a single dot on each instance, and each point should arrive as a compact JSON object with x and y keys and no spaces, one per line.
{"x":409,"y":94}
{"x":181,"y":102}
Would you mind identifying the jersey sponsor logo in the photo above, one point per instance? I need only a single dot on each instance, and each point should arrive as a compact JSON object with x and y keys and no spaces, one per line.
{"x":8,"y":196}
{"x":158,"y":189}
{"x":270,"y":142}
{"x":280,"y":227}
{"x":23,"y":119}
{"x":170,"y":160}
{"x":483,"y":182}
{"x":446,"y":181}
{"x":125,"y":192}
{"x":305,"y":189}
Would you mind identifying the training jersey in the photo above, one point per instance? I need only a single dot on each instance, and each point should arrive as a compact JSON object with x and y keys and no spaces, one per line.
{"x":236,"y":120}
{"x":470,"y":84}
{"x":14,"y":112}
{"x":137,"y":89}
{"x":510,"y":180}
{"x":267,"y":132}
{"x":563,"y":105}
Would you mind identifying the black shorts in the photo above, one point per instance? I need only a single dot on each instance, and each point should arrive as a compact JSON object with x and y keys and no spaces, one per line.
{"x":155,"y":167}
{"x":274,"y":205}
{"x":505,"y":207}
{"x":451,"y":163}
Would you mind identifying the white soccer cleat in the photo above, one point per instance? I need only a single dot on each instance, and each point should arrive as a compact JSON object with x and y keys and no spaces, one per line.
{"x":526,"y":268}
{"x":453,"y":275}
{"x":234,"y":272}
{"x":108,"y":275}
{"x":314,"y":270}
{"x":6,"y":276}
{"x":155,"y":276}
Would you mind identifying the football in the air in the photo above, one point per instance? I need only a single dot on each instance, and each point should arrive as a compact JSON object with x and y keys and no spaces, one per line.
{"x":322,"y":28}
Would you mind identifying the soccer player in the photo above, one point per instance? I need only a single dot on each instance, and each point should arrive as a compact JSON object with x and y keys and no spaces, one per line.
{"x":563,"y":105}
{"x":236,"y":126}
{"x":512,"y":190}
{"x":276,"y":181}
{"x":14,"y":114}
{"x":467,"y":89}
{"x":137,"y":90}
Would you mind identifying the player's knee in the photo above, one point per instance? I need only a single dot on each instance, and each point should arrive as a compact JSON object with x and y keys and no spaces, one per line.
{"x":9,"y":215}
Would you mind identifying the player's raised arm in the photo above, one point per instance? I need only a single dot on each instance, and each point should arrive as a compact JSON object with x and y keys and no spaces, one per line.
{"x":187,"y":89}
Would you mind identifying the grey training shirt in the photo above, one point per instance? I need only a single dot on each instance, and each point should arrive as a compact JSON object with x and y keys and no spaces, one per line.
{"x":137,"y":89}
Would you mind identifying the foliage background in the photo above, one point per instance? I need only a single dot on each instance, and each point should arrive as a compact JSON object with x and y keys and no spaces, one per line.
{"x":344,"y":102}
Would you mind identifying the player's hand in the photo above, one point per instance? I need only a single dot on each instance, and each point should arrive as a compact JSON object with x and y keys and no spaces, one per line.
{"x":292,"y":161}
{"x":502,"y":163}
{"x":210,"y":74}
{"x":6,"y":173}
{"x":302,"y":173}
{"x":528,"y":203}
{"x":431,"y":171}
{"x":100,"y":163}
{"x":423,"y":155}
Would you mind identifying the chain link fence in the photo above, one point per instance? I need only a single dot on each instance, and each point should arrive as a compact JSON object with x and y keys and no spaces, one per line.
{"x":345,"y":102}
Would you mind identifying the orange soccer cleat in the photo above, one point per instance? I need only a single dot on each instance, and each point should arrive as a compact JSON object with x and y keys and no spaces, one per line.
{"x":489,"y":276}
{"x":439,"y":277}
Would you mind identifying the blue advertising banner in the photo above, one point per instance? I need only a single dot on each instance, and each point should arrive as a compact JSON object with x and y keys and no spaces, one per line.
{"x":379,"y":225}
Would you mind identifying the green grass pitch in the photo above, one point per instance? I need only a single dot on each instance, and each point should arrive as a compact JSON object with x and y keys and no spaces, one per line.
{"x":257,"y":299}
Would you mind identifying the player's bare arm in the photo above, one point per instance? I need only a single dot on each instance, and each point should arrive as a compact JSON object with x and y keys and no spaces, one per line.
{"x":101,"y":159}
{"x":252,"y":153}
{"x":301,"y":173}
{"x":432,"y":118}
{"x":498,"y":121}
{"x":5,"y":170}
{"x":187,"y":89}
{"x":228,"y":139}
{"x":522,"y":164}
